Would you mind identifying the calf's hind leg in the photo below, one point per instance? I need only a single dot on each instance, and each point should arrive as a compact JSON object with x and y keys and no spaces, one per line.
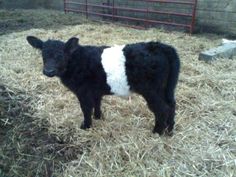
{"x":170,"y":99}
{"x":171,"y":118}
{"x":160,"y":109}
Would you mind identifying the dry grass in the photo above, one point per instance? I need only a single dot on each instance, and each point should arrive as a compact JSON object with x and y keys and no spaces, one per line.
{"x":204,"y":142}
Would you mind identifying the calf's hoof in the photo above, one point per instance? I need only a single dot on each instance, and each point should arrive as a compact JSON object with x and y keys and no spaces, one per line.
{"x":169,"y":130}
{"x":162,"y":131}
{"x":169,"y":133}
{"x":158,"y":130}
{"x":97,"y":115}
{"x":84,"y":126}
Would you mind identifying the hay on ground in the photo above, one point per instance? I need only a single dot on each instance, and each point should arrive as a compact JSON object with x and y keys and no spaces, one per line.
{"x":122,"y":144}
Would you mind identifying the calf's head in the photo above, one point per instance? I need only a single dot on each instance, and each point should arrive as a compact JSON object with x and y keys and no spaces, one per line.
{"x":55,"y":54}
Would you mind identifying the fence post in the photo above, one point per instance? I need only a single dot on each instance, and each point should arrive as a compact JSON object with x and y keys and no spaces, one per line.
{"x":113,"y":9}
{"x":65,"y":6}
{"x":86,"y":8}
{"x":193,"y":16}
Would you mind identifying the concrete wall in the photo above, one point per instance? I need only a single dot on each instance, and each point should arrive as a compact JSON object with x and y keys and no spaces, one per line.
{"x":29,"y":4}
{"x":217,"y":16}
{"x":212,"y":15}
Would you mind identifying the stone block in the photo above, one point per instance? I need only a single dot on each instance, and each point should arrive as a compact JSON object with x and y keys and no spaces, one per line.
{"x":228,"y":50}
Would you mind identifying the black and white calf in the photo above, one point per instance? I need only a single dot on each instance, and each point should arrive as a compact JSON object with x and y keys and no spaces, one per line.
{"x":149,"y":69}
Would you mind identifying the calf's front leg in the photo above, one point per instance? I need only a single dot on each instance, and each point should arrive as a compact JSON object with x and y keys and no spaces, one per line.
{"x":97,"y":107}
{"x":86,"y":104}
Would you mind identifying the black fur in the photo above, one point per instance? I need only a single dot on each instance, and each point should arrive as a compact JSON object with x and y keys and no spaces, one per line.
{"x":152,"y":70}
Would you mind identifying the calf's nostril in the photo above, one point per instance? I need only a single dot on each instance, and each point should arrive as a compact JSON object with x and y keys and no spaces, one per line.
{"x":49,"y":72}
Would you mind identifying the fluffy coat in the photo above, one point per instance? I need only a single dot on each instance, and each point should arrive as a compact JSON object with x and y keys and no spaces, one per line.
{"x":150,"y":69}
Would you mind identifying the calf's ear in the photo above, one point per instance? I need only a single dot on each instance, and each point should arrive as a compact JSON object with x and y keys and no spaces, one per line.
{"x":35,"y":42}
{"x":71,"y":45}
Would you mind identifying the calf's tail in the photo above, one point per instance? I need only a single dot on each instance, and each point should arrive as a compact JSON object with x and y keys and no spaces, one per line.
{"x":174,"y":69}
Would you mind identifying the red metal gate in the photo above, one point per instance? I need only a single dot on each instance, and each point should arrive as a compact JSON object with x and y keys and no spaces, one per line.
{"x":138,"y":13}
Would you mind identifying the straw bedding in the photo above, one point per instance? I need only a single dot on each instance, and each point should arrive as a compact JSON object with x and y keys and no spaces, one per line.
{"x":122,"y":144}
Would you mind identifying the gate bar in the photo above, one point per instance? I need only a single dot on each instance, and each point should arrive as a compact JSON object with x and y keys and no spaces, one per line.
{"x":131,"y":18}
{"x":132,"y":9}
{"x":146,"y":20}
{"x":168,"y":1}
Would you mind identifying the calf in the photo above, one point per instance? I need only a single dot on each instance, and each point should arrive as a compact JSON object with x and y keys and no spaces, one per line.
{"x":150,"y":69}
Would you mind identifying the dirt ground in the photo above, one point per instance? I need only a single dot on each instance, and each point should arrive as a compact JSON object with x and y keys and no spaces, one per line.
{"x":40,"y":118}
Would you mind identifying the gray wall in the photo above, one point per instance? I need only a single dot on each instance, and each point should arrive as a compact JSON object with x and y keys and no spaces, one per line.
{"x":29,"y":4}
{"x":212,"y":15}
{"x":217,"y":15}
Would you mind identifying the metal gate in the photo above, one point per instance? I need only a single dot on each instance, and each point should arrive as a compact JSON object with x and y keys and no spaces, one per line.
{"x":138,"y":13}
